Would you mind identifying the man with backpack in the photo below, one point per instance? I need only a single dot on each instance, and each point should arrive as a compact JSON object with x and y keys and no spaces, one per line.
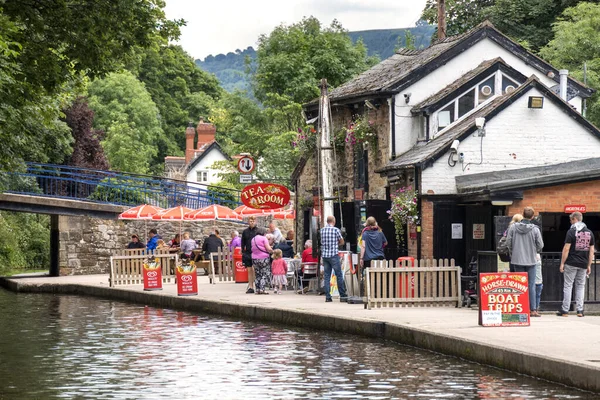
{"x":502,"y":249}
{"x":524,"y":241}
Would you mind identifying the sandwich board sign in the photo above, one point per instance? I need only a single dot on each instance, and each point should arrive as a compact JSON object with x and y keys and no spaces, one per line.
{"x":503,"y":299}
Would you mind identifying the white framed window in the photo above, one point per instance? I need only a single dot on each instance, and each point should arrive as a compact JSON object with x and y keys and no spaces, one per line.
{"x":201,"y":176}
{"x":473,"y":98}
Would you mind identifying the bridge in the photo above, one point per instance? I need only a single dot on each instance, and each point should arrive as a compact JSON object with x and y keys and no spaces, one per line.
{"x":65,"y":190}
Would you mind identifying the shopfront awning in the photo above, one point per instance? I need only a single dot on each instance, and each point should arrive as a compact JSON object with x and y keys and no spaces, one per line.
{"x":529,"y":178}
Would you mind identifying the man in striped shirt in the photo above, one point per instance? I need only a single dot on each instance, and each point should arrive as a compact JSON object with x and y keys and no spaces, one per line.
{"x":331,"y":239}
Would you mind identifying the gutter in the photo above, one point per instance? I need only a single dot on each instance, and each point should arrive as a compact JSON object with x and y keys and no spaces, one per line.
{"x":393,"y":115}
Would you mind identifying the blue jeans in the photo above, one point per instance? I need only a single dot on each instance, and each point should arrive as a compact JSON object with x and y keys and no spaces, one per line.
{"x":330,"y":263}
{"x":530,"y":269}
{"x":538,"y":295}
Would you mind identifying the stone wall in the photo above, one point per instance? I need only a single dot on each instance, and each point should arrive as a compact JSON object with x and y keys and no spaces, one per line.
{"x":86,"y":243}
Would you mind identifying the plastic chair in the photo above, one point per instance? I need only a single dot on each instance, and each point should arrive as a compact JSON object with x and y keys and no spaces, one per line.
{"x":309,"y":268}
{"x":292,"y":272}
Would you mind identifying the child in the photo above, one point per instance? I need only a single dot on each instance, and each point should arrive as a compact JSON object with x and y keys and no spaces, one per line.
{"x":539,"y":285}
{"x":278,"y":270}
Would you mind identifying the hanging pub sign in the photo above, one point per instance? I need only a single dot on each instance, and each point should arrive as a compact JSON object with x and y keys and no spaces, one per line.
{"x":265,"y":196}
{"x":187,"y":279}
{"x":152,"y":274}
{"x":504,"y":299}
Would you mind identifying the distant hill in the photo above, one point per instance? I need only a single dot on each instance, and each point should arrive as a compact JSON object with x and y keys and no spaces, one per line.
{"x":230,"y":68}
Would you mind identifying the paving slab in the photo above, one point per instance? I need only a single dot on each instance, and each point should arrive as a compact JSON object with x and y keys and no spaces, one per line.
{"x":565,"y":350}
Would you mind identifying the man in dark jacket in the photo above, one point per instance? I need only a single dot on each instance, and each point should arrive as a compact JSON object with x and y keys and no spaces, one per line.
{"x":135,"y":243}
{"x":524,"y":241}
{"x":247,"y":236}
{"x":211,"y":244}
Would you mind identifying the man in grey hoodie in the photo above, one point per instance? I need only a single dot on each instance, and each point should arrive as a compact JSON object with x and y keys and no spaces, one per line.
{"x":524,"y":241}
{"x":576,"y":263}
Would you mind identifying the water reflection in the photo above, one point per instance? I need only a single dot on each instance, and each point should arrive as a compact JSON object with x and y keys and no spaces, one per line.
{"x":78,"y":347}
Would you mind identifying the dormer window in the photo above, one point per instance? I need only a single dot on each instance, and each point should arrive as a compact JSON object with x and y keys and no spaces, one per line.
{"x":474,"y":97}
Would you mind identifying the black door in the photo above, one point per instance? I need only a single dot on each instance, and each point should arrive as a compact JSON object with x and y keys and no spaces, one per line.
{"x":449,"y":232}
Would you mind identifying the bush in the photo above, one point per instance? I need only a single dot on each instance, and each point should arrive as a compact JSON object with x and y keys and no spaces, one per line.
{"x":24,"y":241}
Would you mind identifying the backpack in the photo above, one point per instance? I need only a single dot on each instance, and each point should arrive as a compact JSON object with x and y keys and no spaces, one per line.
{"x":502,"y":249}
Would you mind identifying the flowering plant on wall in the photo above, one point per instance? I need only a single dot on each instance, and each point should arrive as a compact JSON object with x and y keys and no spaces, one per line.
{"x":361,"y":130}
{"x":306,"y":140}
{"x":404,"y":210}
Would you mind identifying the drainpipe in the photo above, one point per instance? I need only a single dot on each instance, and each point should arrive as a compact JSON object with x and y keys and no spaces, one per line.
{"x":564,"y":73}
{"x":417,"y":172}
{"x":393,"y":115}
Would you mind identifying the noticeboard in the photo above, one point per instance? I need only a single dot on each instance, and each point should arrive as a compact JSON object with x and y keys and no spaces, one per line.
{"x":503,"y":299}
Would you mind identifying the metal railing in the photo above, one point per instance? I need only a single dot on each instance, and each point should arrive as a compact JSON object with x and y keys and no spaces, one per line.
{"x":62,"y":181}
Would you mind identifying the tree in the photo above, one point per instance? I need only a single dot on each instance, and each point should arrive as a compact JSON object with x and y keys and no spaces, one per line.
{"x":182,"y":91}
{"x":461,"y":15}
{"x":576,"y":38}
{"x":291,"y":60}
{"x":87,"y":150}
{"x":125,"y":111}
{"x":527,"y":21}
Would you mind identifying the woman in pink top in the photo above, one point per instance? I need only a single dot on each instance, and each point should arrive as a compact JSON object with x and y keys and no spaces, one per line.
{"x":261,"y":261}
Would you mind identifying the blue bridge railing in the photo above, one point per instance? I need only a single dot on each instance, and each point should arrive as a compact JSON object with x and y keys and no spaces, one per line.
{"x":119,"y":188}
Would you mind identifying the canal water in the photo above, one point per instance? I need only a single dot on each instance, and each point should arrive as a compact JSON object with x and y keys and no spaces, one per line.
{"x":55,"y":347}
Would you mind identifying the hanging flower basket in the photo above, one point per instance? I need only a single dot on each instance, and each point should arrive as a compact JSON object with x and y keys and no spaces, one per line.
{"x":404,"y":210}
{"x":360,"y":131}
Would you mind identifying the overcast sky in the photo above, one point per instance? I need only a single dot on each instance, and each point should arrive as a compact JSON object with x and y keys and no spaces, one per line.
{"x":222,"y":26}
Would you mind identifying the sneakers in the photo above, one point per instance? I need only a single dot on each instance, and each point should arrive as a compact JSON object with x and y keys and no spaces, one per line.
{"x":249,"y":291}
{"x":274,"y":291}
{"x":561,"y":313}
{"x":303,"y":290}
{"x":580,"y":313}
{"x":280,"y":292}
{"x":328,"y":300}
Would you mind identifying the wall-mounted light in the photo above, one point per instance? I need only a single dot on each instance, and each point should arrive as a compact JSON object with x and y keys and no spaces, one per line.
{"x":535,"y":102}
{"x":502,"y":202}
{"x":370,"y":105}
{"x":480,"y":124}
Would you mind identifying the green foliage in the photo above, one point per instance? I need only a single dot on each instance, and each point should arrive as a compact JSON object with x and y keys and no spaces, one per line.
{"x":125,"y":111}
{"x":361,"y":130}
{"x":383,"y":43}
{"x":291,"y":60}
{"x":119,"y":191}
{"x":229,"y":68}
{"x":24,"y":241}
{"x":181,"y":91}
{"x":224,"y":194}
{"x":576,"y":38}
{"x":527,"y":21}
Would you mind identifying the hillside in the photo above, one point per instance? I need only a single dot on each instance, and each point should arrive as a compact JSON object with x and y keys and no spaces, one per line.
{"x":230,"y":68}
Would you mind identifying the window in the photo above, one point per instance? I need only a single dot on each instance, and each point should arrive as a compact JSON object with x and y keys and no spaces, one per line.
{"x":472,"y":98}
{"x":201,"y":176}
{"x":466,"y":103}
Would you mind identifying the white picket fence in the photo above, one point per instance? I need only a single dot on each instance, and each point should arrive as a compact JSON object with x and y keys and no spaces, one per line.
{"x":126,"y":266}
{"x":429,"y":283}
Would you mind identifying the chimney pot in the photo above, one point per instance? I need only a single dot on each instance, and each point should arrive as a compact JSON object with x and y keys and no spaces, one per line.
{"x":206,"y":133}
{"x":563,"y":74}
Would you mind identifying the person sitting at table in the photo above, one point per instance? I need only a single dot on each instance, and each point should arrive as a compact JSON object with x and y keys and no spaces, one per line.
{"x":307,"y":257}
{"x":135,"y":243}
{"x":175,"y":242}
{"x":286,"y":246}
{"x":236,"y":241}
{"x":187,"y":246}
{"x":153,"y":239}
{"x":161,"y":245}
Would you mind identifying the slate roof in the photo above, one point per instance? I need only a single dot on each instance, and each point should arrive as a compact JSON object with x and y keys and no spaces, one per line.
{"x":485,"y":68}
{"x":425,"y":153}
{"x":408,"y":66}
{"x":528,"y":178}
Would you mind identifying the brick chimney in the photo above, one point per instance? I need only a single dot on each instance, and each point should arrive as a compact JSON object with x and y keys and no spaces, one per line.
{"x":190,"y":133}
{"x":206,"y":133}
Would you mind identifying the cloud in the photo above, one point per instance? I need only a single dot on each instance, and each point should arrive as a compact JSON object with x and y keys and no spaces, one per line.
{"x":350,"y":6}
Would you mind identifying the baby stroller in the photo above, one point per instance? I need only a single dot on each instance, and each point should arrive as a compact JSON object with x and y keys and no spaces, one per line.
{"x":468,"y":280}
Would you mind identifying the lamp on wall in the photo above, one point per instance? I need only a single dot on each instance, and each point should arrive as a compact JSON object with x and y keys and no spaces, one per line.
{"x":535,"y":102}
{"x":502,"y":202}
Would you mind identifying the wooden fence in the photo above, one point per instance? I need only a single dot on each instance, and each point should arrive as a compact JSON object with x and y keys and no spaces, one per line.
{"x":429,"y":283}
{"x":126,"y":266}
{"x":223,"y":266}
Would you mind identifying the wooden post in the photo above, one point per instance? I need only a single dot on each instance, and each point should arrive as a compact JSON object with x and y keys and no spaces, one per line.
{"x":441,"y":19}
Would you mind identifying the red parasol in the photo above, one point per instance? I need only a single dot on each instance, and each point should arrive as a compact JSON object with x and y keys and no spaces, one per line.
{"x":245,"y":211}
{"x":283,"y":214}
{"x":175,"y":213}
{"x":213,"y":212}
{"x":145,"y":211}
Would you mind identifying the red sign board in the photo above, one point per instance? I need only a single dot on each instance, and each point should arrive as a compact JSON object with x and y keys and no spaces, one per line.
{"x":187,"y":281}
{"x":575,"y":207}
{"x":265,"y":196}
{"x":152,"y":275}
{"x":504,"y":299}
{"x":246,"y":165}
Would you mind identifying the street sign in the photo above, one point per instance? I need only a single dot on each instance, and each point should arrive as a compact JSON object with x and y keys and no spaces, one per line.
{"x":245,"y":178}
{"x":246,"y":165}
